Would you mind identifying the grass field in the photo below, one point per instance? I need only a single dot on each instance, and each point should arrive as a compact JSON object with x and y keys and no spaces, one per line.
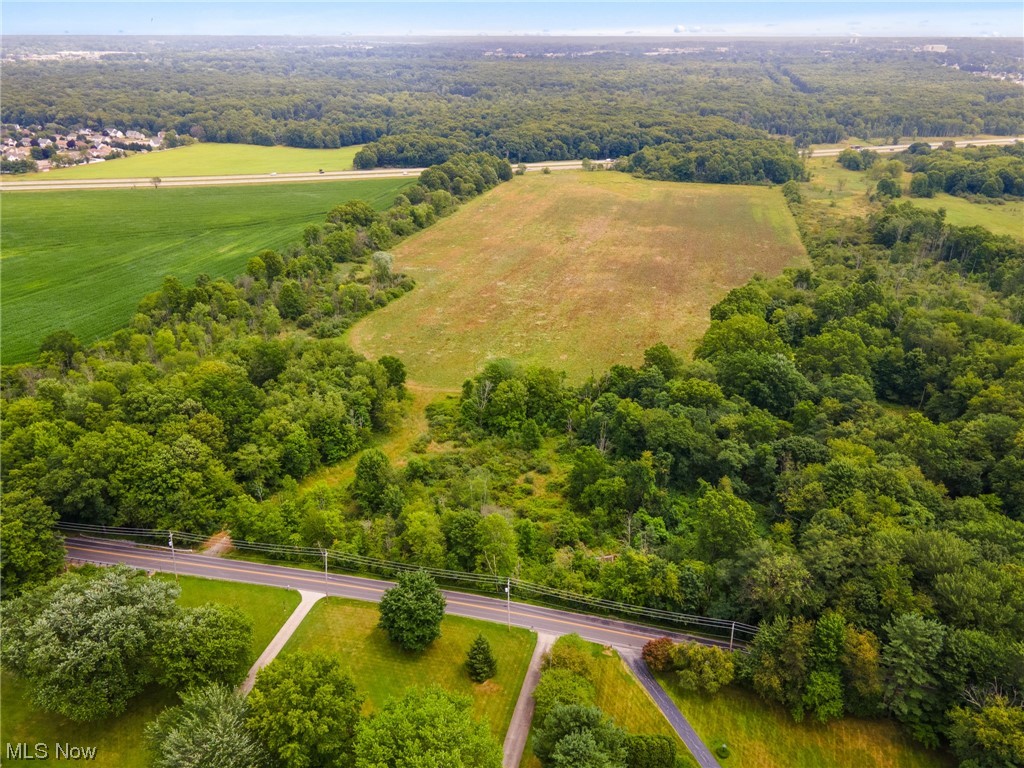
{"x":82,"y":260}
{"x":849,"y":190}
{"x":208,"y":160}
{"x":760,"y":735}
{"x":381,"y":670}
{"x":119,"y":741}
{"x":623,"y":699}
{"x":577,"y":271}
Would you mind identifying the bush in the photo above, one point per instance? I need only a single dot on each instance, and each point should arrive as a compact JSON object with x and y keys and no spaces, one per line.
{"x":560,"y":686}
{"x":702,"y":668}
{"x":645,"y":751}
{"x":571,"y":652}
{"x":658,"y":654}
{"x":722,"y":751}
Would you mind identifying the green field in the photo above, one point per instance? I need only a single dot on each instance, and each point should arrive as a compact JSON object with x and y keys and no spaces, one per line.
{"x":83,"y":260}
{"x":577,"y":271}
{"x":381,"y":670}
{"x":119,"y":741}
{"x":622,"y":698}
{"x":850,"y":189}
{"x":208,"y":160}
{"x":761,"y":735}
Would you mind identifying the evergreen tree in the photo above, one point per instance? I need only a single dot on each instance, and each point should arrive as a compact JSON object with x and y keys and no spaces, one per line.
{"x":480,"y":660}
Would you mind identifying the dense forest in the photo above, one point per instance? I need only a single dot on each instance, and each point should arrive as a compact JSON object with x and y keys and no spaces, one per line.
{"x":522,"y":100}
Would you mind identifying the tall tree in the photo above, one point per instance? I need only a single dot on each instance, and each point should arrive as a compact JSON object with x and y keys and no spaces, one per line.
{"x":305,"y":709}
{"x":411,"y":612}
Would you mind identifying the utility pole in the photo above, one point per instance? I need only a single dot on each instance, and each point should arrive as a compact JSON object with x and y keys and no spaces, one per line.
{"x":732,"y":635}
{"x":174,"y":560}
{"x":508,"y":602}
{"x":326,"y":583}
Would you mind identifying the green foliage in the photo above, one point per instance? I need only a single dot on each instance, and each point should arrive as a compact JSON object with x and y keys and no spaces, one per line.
{"x":480,"y":661}
{"x":207,"y":730}
{"x":203,"y":646}
{"x":702,"y":668}
{"x":305,"y":709}
{"x":571,"y":653}
{"x":719,"y":161}
{"x":910,"y":661}
{"x":33,"y":549}
{"x":411,"y":611}
{"x":574,"y":735}
{"x":429,"y":728}
{"x":990,"y":732}
{"x":559,"y":685}
{"x":649,"y":751}
{"x":84,"y":642}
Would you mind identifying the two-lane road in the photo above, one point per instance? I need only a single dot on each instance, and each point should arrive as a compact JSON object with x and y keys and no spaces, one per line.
{"x":621,"y":634}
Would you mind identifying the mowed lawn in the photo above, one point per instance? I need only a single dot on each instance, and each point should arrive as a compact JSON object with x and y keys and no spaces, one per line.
{"x":762,"y":735}
{"x":624,"y":700}
{"x":381,"y":670}
{"x":577,"y":271}
{"x":83,"y":260}
{"x":207,"y":159}
{"x":119,"y":741}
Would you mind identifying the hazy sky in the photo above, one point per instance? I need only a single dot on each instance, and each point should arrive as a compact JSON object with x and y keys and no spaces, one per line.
{"x":931,"y":18}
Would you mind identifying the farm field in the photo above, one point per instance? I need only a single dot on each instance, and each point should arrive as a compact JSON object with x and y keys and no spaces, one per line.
{"x":83,"y":260}
{"x":381,"y":670}
{"x":760,"y":735}
{"x":119,"y":741}
{"x":577,"y":271}
{"x":207,"y":159}
{"x":850,"y":189}
{"x":623,"y":699}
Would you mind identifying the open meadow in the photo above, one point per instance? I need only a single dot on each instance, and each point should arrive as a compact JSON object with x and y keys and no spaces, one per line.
{"x":762,"y":735}
{"x":119,"y":741}
{"x":82,"y":260}
{"x":577,"y":271}
{"x":207,"y":159}
{"x":381,"y":670}
{"x":850,"y":190}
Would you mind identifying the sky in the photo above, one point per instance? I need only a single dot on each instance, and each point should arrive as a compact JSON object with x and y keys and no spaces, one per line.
{"x":921,"y":18}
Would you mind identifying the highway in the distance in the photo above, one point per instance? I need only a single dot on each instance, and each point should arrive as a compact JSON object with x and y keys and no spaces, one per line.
{"x":41,"y":183}
{"x":621,"y":634}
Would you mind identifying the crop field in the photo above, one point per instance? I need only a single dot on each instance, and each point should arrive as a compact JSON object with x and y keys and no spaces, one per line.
{"x":762,"y":735}
{"x":850,"y":189}
{"x":381,"y":670}
{"x":577,"y":271}
{"x":119,"y":740}
{"x":207,"y":159}
{"x":82,"y":260}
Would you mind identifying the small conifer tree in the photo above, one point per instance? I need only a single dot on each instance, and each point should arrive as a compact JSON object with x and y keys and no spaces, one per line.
{"x":480,"y":660}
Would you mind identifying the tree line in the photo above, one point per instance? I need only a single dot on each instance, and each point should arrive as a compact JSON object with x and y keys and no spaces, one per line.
{"x":412,"y":104}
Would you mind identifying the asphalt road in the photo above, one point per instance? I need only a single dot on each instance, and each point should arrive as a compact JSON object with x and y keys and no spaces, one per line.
{"x":40,"y":183}
{"x":620,"y":634}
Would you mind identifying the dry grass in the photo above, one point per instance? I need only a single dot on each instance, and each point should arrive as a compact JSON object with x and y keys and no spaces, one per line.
{"x":577,"y":271}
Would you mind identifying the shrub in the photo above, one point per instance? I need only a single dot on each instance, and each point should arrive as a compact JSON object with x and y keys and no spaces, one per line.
{"x":648,"y":751}
{"x":560,"y":686}
{"x":480,"y":661}
{"x":658,"y":654}
{"x":571,"y":652}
